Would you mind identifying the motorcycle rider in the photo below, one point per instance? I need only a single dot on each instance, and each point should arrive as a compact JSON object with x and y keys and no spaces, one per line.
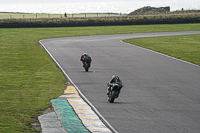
{"x":114,"y":80}
{"x":85,"y":58}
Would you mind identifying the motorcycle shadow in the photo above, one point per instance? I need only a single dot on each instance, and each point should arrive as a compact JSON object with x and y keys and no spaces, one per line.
{"x":119,"y":103}
{"x":90,"y":71}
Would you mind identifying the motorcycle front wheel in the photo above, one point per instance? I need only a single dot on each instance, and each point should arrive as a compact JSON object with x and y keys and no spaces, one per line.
{"x":112,"y":96}
{"x":86,"y":67}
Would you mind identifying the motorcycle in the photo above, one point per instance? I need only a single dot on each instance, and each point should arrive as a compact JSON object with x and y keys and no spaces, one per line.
{"x":114,"y":92}
{"x":86,"y":62}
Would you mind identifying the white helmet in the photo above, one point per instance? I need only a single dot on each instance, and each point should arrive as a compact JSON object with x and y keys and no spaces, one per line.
{"x":114,"y":76}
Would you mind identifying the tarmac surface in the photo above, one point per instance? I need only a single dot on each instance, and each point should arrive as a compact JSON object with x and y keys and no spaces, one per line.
{"x":160,"y":93}
{"x":50,"y":123}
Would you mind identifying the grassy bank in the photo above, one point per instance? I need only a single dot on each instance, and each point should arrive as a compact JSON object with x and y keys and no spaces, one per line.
{"x":101,"y":21}
{"x":29,"y":78}
{"x":185,"y":47}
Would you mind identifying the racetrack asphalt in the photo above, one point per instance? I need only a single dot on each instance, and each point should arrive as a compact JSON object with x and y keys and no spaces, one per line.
{"x":160,"y":93}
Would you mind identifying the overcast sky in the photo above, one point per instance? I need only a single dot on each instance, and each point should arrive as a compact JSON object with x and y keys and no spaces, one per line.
{"x":53,"y":1}
{"x":66,"y":1}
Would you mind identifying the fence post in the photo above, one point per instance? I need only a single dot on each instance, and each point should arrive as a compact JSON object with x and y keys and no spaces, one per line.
{"x":10,"y":16}
{"x":85,"y":14}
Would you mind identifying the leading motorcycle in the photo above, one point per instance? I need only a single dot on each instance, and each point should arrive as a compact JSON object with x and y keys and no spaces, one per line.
{"x":86,"y":62}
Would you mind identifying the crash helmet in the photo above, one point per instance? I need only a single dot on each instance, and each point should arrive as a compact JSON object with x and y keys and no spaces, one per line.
{"x":84,"y":55}
{"x":114,"y":76}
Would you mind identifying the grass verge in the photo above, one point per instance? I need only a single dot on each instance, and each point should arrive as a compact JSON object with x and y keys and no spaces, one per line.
{"x":29,"y":77}
{"x":185,"y":47}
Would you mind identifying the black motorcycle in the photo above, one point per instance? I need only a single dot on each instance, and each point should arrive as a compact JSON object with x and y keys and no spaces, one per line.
{"x":114,"y":92}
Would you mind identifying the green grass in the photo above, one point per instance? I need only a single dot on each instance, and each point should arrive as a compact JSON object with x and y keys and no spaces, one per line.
{"x":28,"y":76}
{"x":185,"y":47}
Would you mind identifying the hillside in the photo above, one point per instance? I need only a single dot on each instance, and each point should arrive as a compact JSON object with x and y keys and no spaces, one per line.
{"x":150,"y":10}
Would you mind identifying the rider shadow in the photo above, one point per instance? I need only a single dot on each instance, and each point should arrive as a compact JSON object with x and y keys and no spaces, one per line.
{"x":90,"y":71}
{"x":113,"y":102}
{"x":116,"y":102}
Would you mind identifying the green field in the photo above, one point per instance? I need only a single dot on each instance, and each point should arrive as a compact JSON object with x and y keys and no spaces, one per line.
{"x":43,"y":15}
{"x":29,"y":77}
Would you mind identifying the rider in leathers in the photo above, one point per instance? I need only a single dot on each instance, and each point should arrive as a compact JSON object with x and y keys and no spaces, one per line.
{"x":84,"y":57}
{"x":115,"y":80}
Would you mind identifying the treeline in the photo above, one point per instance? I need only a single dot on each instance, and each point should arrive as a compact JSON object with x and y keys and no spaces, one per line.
{"x":100,"y":21}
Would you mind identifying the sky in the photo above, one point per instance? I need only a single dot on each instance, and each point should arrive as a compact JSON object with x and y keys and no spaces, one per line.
{"x":84,"y":6}
{"x":66,"y":1}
